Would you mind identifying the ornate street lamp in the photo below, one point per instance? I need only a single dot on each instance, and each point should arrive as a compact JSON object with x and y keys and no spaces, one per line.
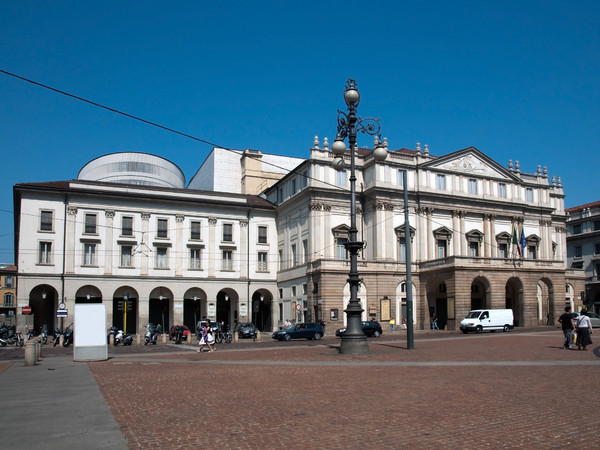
{"x":353,"y":340}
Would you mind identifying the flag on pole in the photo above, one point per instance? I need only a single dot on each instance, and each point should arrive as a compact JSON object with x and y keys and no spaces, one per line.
{"x":523,"y":243}
{"x":515,"y":240}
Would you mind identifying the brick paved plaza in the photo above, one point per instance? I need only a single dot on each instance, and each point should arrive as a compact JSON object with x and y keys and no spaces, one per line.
{"x":502,"y":390}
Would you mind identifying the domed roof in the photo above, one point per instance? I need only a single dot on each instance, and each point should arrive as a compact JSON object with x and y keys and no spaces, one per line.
{"x":133,"y":168}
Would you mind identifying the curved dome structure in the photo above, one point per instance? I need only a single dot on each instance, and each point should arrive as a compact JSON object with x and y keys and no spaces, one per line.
{"x":140,"y":169}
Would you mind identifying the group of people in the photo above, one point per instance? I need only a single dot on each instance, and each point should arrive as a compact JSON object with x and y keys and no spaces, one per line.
{"x":205,"y":337}
{"x":579,"y":328}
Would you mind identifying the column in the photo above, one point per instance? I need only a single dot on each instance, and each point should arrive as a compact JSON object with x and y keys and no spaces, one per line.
{"x":456,"y":232}
{"x":180,"y":254}
{"x":70,"y":239}
{"x":213,"y":254}
{"x":145,"y":228}
{"x":243,"y":252}
{"x":108,"y":241}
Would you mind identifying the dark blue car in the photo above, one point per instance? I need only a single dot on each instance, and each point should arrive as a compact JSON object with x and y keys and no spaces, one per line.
{"x":300,"y":331}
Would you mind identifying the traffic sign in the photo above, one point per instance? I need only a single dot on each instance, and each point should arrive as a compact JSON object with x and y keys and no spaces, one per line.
{"x":26,"y":310}
{"x":298,"y":307}
{"x":61,"y":313}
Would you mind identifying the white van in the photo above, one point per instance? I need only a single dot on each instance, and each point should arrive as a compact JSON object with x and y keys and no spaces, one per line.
{"x":480,"y":320}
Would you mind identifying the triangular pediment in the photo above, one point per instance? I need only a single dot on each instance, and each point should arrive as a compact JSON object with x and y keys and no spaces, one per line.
{"x":472,"y":162}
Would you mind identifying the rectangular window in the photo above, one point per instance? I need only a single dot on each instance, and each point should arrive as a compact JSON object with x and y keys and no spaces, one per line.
{"x":281,"y":262}
{"x":162,"y":228}
{"x":597,"y":225}
{"x":9,"y":282}
{"x":46,"y":221}
{"x":529,"y":194}
{"x":9,"y":300}
{"x":441,"y":182}
{"x":195,"y":230}
{"x":305,"y":251}
{"x":127,"y":226}
{"x":262,"y":235}
{"x":340,"y":248}
{"x":195,"y":258}
{"x":262,"y":262}
{"x":532,"y":252}
{"x":577,"y":229}
{"x":227,"y":232}
{"x":503,"y":250}
{"x":162,"y":254}
{"x":45,"y":253}
{"x":126,"y":251}
{"x":578,"y":252}
{"x":501,"y":190}
{"x":89,"y":254}
{"x":402,"y":249}
{"x":227,"y":260}
{"x":596,"y":249}
{"x":474,"y":248}
{"x":90,"y":224}
{"x":304,"y":289}
{"x":441,"y":248}
{"x":293,"y":186}
{"x":340,"y":178}
{"x":472,"y":186}
{"x":400,"y":178}
{"x":293,"y":291}
{"x":294,"y":255}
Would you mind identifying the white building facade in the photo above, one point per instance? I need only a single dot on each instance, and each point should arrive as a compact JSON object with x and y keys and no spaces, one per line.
{"x":150,"y":254}
{"x":464,"y":210}
{"x":583,"y":251}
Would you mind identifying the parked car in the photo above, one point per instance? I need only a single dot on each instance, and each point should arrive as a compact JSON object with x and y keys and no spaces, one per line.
{"x":173,"y":332}
{"x":300,"y":331}
{"x":594,"y":318}
{"x":370,"y":328}
{"x":245,"y":330}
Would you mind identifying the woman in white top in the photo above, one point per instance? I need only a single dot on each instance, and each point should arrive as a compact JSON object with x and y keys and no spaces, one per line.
{"x":583,"y":325}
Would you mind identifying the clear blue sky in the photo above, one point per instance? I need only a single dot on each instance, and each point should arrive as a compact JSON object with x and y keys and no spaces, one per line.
{"x":517,"y":79}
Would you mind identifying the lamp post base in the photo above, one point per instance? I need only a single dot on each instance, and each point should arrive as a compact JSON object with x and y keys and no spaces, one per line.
{"x":354,"y":345}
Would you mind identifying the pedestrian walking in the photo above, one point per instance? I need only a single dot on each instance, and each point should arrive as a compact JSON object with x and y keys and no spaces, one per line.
{"x":566,"y":321}
{"x":210,"y":339}
{"x":392,"y":323}
{"x":434,"y":322}
{"x":583,"y":326}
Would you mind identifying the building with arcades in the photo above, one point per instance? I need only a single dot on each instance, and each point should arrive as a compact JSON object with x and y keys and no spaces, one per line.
{"x":128,"y":234}
{"x":465,"y":211}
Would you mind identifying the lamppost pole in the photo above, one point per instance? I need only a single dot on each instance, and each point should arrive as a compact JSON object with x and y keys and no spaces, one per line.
{"x":353,"y":340}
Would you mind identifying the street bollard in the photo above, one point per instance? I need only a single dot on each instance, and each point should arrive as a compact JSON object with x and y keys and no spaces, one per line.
{"x":30,"y":353}
{"x":164,"y":338}
{"x":38,"y":350}
{"x":257,"y":336}
{"x":111,"y":339}
{"x":235,"y":337}
{"x":138,"y":340}
{"x":188,"y":339}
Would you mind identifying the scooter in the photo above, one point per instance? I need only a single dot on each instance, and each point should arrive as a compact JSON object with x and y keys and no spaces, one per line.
{"x":126,"y":339}
{"x":28,"y":332}
{"x":151,"y":334}
{"x":68,"y":336}
{"x":44,"y":335}
{"x":56,"y":334}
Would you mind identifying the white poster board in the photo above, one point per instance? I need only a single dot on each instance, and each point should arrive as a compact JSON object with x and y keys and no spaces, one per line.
{"x":89,"y":332}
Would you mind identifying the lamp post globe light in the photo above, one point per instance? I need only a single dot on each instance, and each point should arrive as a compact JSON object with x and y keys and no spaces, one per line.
{"x":348,"y":125}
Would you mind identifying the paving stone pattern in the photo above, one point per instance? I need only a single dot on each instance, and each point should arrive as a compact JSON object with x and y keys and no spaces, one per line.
{"x":502,"y":390}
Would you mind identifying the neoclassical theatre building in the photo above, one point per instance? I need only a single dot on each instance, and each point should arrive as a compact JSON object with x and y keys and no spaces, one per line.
{"x":268,"y":244}
{"x":465,"y":211}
